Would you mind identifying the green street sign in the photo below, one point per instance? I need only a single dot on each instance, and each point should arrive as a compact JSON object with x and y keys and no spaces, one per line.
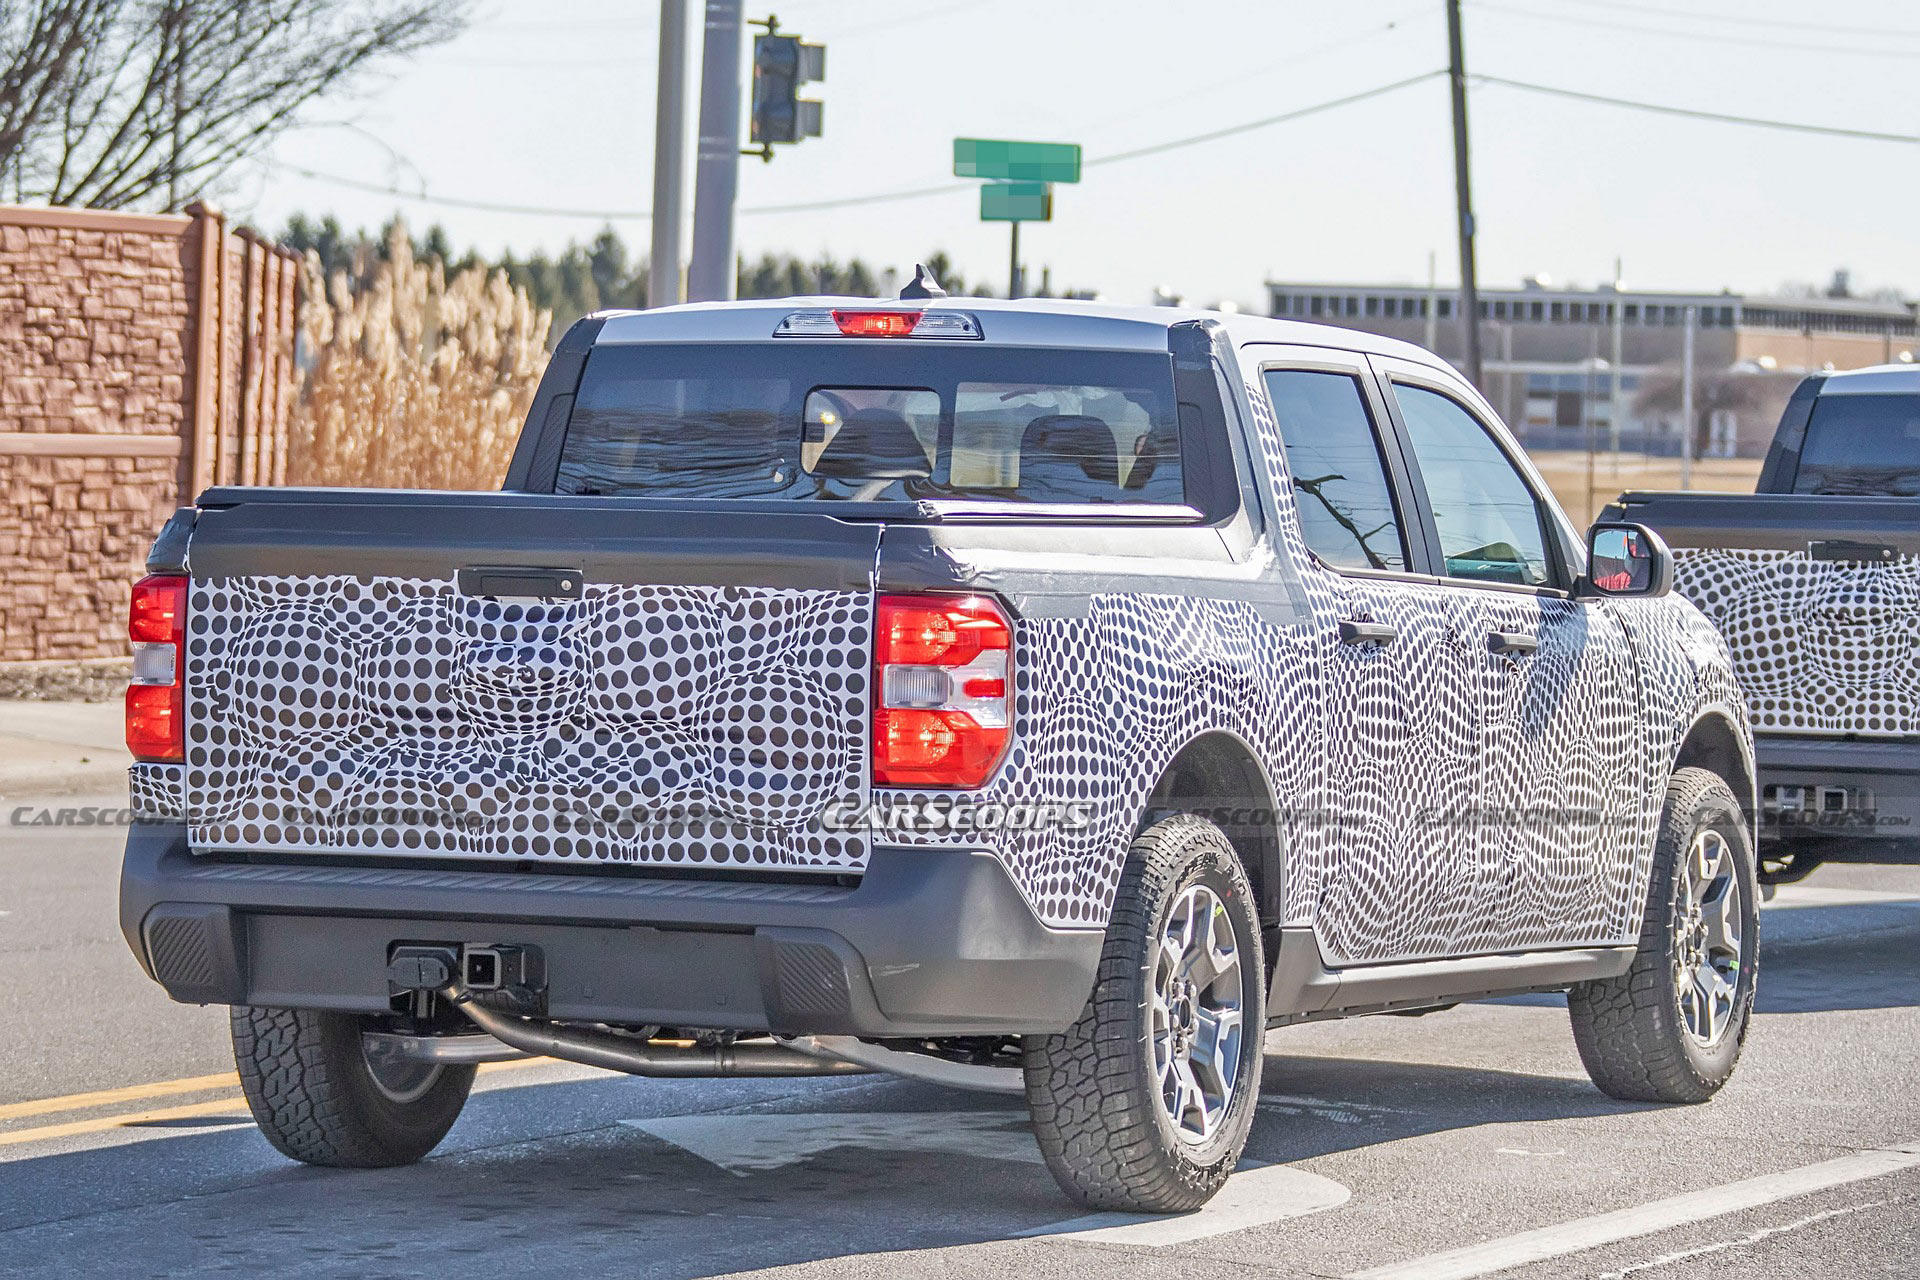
{"x":1016,"y":161}
{"x":1016,"y":202}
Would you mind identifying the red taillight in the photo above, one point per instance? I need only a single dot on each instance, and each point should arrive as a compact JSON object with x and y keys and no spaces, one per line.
{"x":156,"y":697}
{"x":876,"y":324}
{"x":941,"y":666}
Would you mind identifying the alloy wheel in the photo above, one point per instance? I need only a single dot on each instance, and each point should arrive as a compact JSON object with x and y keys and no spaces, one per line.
{"x":1196,"y":1015}
{"x":1707,"y":941}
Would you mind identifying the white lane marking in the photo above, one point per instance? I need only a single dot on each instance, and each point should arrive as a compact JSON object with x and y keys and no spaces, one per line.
{"x":1254,"y":1196}
{"x":744,"y":1144}
{"x":1660,"y":1215}
{"x":1752,"y":1237}
{"x":747,"y":1144}
{"x":1794,"y":896}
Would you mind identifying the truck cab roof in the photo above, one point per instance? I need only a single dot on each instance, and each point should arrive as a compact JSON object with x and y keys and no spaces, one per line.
{"x":1037,"y":322}
{"x":1879,"y":379}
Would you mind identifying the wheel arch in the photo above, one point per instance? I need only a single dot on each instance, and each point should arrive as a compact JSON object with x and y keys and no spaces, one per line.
{"x":1716,"y":743}
{"x":1219,"y":776}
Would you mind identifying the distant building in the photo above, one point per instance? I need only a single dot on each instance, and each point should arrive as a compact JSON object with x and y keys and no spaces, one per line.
{"x":1547,"y":353}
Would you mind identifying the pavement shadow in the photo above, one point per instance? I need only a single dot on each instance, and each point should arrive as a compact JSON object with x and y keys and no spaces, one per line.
{"x":545,"y":1179}
{"x":1314,"y":1106}
{"x":507,"y":1196}
{"x":1830,"y":958}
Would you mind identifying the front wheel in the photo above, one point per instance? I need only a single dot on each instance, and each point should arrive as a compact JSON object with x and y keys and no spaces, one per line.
{"x":1144,"y":1104}
{"x":1670,"y":1029}
{"x":319,"y":1098}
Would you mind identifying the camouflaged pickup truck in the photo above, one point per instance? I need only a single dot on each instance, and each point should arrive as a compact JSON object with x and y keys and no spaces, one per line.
{"x":1039,"y":697}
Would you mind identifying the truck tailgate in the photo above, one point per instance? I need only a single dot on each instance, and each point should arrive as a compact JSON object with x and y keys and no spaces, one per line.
{"x":1818,"y":599}
{"x":512,"y":676}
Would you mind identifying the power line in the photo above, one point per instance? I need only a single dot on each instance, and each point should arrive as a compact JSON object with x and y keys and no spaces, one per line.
{"x":881,"y":197}
{"x":1741,"y":19}
{"x":1282,"y":118}
{"x":1690,"y":113}
{"x":1639,"y":29}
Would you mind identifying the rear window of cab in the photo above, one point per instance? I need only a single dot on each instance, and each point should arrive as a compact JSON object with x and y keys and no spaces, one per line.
{"x":874,"y":421}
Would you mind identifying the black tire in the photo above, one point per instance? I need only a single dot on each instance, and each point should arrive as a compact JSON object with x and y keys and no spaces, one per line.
{"x":1632,"y":1033}
{"x":318,"y":1100}
{"x":1095,"y":1089}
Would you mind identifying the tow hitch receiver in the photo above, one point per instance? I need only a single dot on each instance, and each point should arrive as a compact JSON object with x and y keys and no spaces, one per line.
{"x":511,"y":978}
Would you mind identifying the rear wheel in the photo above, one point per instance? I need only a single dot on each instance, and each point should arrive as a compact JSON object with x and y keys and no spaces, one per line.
{"x":1671,"y":1028}
{"x":320,"y":1098}
{"x":1144,"y":1104}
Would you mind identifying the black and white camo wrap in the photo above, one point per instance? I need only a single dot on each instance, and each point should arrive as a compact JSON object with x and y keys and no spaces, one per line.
{"x":685,"y":726}
{"x":1423,"y":786}
{"x":1821,"y":646}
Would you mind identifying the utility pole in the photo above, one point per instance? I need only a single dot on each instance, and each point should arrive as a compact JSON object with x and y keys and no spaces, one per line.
{"x":669,"y":157}
{"x":1619,"y":322}
{"x":1463,"y":191}
{"x":1686,"y":399}
{"x":710,"y":275}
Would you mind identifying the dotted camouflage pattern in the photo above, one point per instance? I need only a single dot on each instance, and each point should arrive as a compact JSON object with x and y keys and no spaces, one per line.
{"x":690,"y":726}
{"x":1423,"y":788}
{"x":1822,"y":647}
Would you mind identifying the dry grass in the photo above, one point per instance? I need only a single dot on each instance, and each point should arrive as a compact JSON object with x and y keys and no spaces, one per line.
{"x":1566,"y":471}
{"x":415,"y":381}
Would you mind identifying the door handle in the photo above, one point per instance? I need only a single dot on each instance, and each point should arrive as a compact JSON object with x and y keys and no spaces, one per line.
{"x":1353,"y":632}
{"x":1511,"y":642}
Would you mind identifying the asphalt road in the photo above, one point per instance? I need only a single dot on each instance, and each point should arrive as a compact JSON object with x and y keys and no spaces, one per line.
{"x":1384,"y":1147}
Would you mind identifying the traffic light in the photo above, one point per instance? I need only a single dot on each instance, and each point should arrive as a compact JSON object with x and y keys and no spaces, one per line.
{"x":781,"y":64}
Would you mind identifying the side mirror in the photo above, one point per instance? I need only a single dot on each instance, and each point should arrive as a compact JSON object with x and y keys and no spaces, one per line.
{"x":1625,"y":560}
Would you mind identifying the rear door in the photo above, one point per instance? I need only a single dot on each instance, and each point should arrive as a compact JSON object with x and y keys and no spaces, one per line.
{"x":1377,"y":853}
{"x":1551,"y":680}
{"x":511,"y":677}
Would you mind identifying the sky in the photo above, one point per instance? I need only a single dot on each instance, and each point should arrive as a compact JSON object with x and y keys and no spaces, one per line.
{"x":551,"y":103}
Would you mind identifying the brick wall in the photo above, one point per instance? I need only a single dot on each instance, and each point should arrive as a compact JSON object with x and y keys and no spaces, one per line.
{"x":124,"y":377}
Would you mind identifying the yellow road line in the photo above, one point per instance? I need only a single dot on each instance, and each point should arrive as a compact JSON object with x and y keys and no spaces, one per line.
{"x":235,"y":1105}
{"x":192,"y":1084}
{"x":131,"y":1093}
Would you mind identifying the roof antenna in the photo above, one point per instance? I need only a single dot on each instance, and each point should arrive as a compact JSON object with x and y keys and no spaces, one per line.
{"x":923,"y":284}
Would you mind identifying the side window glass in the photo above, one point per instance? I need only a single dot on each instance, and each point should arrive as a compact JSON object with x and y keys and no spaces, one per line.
{"x":1339,"y":481}
{"x":1489,"y":519}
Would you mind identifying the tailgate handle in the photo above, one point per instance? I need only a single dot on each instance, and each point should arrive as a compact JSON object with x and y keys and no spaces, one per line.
{"x":520,"y":580}
{"x":1841,"y":549}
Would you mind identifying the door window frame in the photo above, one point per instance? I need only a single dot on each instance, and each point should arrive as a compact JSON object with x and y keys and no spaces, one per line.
{"x":1563,"y":565}
{"x":1387,"y":438}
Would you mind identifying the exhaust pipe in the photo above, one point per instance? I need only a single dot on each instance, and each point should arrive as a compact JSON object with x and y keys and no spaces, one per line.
{"x":618,"y":1053}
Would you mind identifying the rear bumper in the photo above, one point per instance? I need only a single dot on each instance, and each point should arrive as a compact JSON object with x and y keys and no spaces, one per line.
{"x":1889,"y":770}
{"x":930,"y":943}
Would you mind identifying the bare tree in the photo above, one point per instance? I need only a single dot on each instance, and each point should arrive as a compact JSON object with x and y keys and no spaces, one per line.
{"x":1748,"y":394}
{"x":122,"y":103}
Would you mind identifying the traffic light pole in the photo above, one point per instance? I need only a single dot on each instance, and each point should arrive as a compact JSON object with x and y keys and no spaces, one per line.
{"x":669,"y":157}
{"x":710,"y":275}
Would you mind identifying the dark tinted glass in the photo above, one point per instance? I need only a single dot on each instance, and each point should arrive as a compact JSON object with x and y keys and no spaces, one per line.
{"x":1339,"y":482}
{"x":862,"y":422}
{"x":1866,"y":444}
{"x":1488,"y":518}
